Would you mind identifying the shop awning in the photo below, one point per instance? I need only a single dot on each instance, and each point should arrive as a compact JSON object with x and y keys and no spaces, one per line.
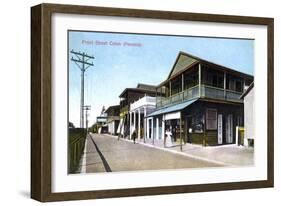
{"x":172,"y":108}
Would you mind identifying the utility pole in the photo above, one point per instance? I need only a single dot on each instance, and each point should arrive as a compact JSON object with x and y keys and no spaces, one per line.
{"x":82,"y":61}
{"x":87,"y":108}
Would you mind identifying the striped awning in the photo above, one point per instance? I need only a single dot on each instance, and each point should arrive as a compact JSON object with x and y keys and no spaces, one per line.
{"x":172,"y":108}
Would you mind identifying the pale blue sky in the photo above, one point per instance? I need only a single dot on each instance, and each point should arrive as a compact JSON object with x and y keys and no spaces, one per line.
{"x":119,"y":67}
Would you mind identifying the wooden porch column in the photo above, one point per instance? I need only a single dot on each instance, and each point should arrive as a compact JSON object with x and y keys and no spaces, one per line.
{"x":163,"y":130}
{"x":180,"y":134}
{"x":152,"y":129}
{"x":157,"y":128}
{"x":130,"y":126}
{"x":182,"y":85}
{"x":170,"y":85}
{"x":163,"y":127}
{"x":139,"y":129}
{"x":199,"y":79}
{"x":135,"y":121}
{"x":144,"y":124}
{"x":147,"y":127}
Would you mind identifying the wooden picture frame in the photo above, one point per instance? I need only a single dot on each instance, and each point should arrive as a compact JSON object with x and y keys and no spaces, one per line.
{"x":41,"y":98}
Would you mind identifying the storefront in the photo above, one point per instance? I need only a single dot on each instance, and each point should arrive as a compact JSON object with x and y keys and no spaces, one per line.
{"x":199,"y":121}
{"x":212,"y":123}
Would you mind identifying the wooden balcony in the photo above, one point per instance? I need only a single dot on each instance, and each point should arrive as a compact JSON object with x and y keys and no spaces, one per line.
{"x":204,"y":92}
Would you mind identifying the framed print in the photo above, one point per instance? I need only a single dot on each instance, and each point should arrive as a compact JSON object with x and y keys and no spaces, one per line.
{"x":130,"y":102}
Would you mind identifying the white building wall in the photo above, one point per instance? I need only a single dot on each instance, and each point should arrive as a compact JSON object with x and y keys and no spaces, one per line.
{"x":249,"y":116}
{"x":111,"y":127}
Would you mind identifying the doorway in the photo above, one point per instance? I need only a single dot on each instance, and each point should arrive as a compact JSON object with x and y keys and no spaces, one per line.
{"x":229,"y":128}
{"x":187,"y":128}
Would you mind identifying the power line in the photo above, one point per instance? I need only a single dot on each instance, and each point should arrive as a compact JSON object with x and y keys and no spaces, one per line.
{"x":82,"y":62}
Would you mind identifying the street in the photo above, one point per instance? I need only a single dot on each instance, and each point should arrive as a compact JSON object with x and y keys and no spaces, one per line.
{"x":107,"y":154}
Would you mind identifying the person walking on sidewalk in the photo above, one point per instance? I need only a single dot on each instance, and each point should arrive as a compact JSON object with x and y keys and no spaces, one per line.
{"x":168,"y":138}
{"x":134,"y":135}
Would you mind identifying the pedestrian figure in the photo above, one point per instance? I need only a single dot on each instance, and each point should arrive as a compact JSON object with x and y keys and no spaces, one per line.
{"x":134,"y":135}
{"x":168,"y":142}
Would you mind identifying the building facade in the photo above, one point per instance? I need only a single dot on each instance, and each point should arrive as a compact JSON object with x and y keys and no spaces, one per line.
{"x":249,"y":116}
{"x":113,"y":119}
{"x":127,"y":97}
{"x":199,"y":102}
{"x":138,"y":111}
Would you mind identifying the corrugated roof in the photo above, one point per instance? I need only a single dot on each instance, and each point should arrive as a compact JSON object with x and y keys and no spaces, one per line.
{"x":172,"y":108}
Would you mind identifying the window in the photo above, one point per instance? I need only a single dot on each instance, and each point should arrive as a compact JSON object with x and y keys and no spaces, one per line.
{"x":197,"y":123}
{"x":214,"y":78}
{"x":238,"y":86}
{"x":220,"y":81}
{"x":176,"y":86}
{"x":211,"y":119}
{"x":231,"y":84}
{"x":191,"y":79}
{"x":234,"y":83}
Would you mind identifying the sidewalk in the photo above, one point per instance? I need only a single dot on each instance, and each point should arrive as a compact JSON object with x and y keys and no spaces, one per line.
{"x":226,"y":155}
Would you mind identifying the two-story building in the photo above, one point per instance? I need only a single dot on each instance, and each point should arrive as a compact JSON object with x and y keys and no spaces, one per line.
{"x":113,"y":118}
{"x":127,"y":97}
{"x":137,"y":113}
{"x":201,"y":102}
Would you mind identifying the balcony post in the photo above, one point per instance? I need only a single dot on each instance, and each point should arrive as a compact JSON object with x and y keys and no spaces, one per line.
{"x":199,"y":79}
{"x":180,"y":133}
{"x":147,"y":128}
{"x":157,"y":128}
{"x":152,"y":130}
{"x":139,"y":129}
{"x":170,"y":88}
{"x":130,"y":126}
{"x":135,"y":121}
{"x":163,"y":127}
{"x":144,"y":124}
{"x":182,"y":85}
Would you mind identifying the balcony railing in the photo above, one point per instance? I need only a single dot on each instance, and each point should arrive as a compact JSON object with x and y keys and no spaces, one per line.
{"x":219,"y":93}
{"x":190,"y":93}
{"x":193,"y":92}
{"x":144,"y":101}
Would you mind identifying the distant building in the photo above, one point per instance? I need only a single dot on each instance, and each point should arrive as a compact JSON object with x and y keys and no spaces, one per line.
{"x":127,"y":97}
{"x":249,"y":115}
{"x":113,"y":118}
{"x":201,"y":102}
{"x":101,"y":122}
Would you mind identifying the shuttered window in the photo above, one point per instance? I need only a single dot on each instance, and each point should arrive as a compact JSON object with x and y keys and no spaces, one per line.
{"x":211,"y":119}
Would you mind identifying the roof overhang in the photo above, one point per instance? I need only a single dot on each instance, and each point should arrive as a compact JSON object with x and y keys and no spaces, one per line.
{"x":173,"y":74}
{"x":172,"y":108}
